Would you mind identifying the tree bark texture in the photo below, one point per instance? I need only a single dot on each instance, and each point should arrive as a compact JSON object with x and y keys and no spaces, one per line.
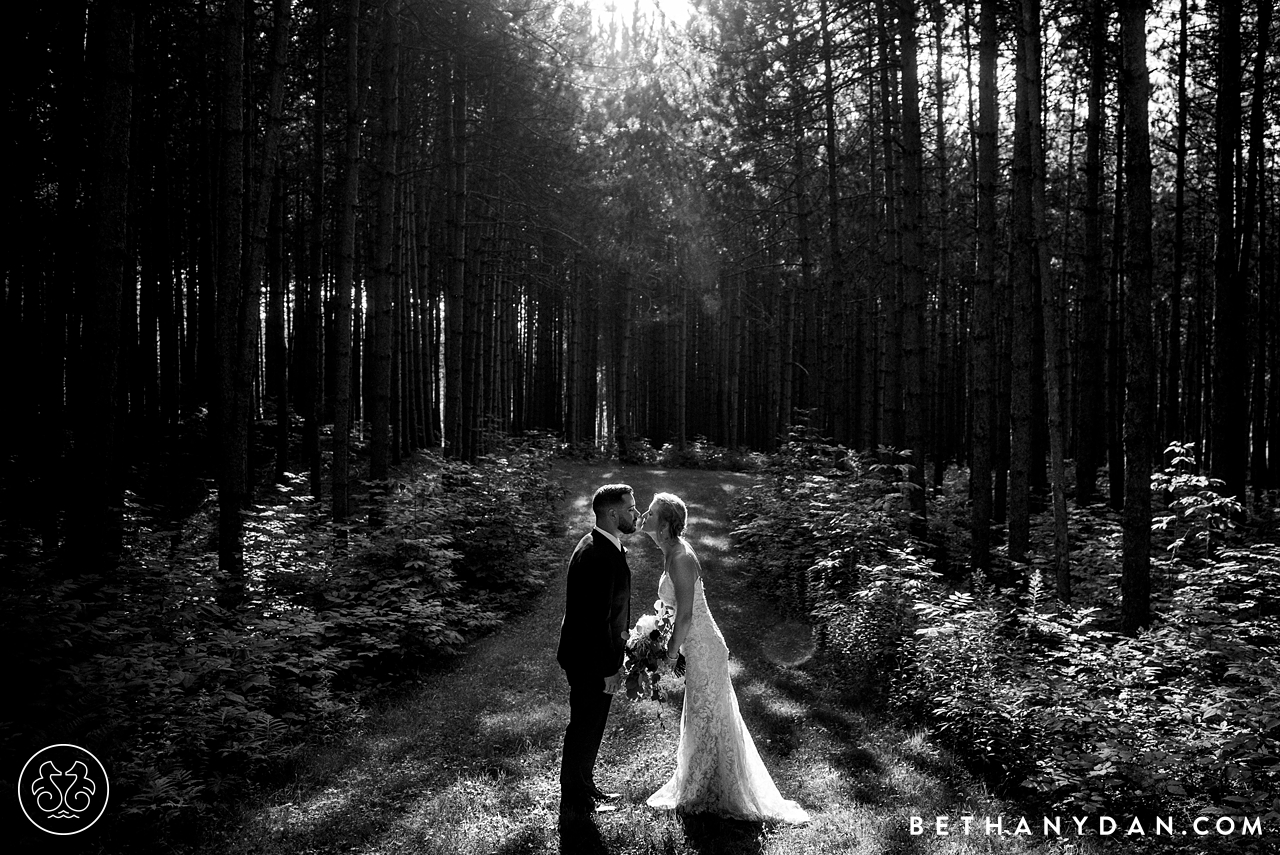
{"x":1139,"y":412}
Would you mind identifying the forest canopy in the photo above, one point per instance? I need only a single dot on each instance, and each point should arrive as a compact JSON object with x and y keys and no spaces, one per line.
{"x":255,"y":238}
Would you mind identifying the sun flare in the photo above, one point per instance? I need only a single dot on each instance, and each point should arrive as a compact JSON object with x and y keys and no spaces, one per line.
{"x":677,"y":11}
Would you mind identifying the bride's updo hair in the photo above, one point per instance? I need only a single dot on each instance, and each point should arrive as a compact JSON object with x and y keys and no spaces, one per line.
{"x":671,"y":512}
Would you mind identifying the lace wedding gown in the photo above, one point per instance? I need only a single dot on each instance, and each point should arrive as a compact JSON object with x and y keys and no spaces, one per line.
{"x":718,"y":769}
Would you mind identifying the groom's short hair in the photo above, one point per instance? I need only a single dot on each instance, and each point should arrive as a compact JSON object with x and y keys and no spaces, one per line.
{"x":609,"y":495}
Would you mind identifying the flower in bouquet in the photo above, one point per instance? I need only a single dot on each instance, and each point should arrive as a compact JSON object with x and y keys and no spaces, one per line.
{"x":645,"y":652}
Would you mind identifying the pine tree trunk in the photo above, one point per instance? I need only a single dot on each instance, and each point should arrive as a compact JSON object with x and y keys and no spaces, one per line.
{"x":1057,"y":333}
{"x":682,"y":375}
{"x":239,"y":304}
{"x":429,"y":306}
{"x":345,"y":229}
{"x":145,"y":404}
{"x":1091,"y":406}
{"x":1266,"y":273}
{"x":913,"y":326}
{"x":311,"y":327}
{"x":1173,"y":366}
{"x":93,"y":526}
{"x":170,"y":308}
{"x":786,"y":362}
{"x":401,"y":411}
{"x":1004,"y":383}
{"x":1024,"y":275}
{"x":573,"y":384}
{"x":1229,"y":442}
{"x":457,"y":429}
{"x":622,"y":390}
{"x":58,"y":362}
{"x":867,"y":295}
{"x":945,"y":430}
{"x":893,"y":432}
{"x":277,"y":344}
{"x":1197,"y":348}
{"x":1139,"y":415}
{"x":233,"y":392}
{"x":983,"y":328}
{"x":472,"y":367}
{"x":767,"y":431}
{"x":736,"y":345}
{"x":838,"y":380}
{"x":381,"y":291}
{"x":1116,"y":352}
{"x":1049,"y":316}
{"x":1253,"y":192}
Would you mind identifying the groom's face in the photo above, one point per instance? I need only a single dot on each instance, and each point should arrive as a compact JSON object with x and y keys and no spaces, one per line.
{"x":627,"y":514}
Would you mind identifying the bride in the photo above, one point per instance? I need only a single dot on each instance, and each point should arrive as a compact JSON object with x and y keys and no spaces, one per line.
{"x":718,"y":769}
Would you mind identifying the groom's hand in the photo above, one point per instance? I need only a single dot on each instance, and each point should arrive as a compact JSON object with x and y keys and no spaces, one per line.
{"x":612,"y":684}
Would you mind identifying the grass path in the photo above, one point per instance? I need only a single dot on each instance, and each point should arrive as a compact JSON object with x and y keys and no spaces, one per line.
{"x":470,"y":762}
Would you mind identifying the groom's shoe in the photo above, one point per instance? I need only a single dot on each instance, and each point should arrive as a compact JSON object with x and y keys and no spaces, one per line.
{"x":601,"y":796}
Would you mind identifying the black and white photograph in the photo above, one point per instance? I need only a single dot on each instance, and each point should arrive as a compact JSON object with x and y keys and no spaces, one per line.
{"x":642,"y":427}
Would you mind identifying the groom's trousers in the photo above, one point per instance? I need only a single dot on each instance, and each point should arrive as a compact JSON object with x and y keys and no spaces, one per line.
{"x":588,"y":712}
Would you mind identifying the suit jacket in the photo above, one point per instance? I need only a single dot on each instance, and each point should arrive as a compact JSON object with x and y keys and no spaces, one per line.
{"x":597,"y":609}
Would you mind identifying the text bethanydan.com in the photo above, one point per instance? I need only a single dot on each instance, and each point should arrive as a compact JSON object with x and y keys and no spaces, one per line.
{"x":1102,"y":826}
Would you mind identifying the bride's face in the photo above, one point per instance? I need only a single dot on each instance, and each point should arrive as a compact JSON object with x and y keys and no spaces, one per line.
{"x":649,"y":522}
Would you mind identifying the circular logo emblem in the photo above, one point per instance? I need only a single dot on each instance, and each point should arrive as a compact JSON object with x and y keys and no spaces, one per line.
{"x":63,"y":789}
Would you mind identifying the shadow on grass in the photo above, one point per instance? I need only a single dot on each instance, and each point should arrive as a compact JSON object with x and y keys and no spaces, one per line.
{"x":578,"y":836}
{"x":713,"y":835}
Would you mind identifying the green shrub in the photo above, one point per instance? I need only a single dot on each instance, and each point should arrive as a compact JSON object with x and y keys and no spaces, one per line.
{"x":959,"y":675}
{"x":1190,"y":507}
{"x":1185,"y":717}
{"x":866,"y":627}
{"x":497,"y":524}
{"x":636,"y":450}
{"x":701,"y":453}
{"x":809,"y":526}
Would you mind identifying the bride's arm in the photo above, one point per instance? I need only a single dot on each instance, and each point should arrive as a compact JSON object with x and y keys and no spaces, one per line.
{"x":684,"y":573}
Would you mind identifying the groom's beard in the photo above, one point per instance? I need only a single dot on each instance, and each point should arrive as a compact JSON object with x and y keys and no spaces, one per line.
{"x":627,"y":527}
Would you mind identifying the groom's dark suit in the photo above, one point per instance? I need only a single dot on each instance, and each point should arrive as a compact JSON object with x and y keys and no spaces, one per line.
{"x":597,"y":616}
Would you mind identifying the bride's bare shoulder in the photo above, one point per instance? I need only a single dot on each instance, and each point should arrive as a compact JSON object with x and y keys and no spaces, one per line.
{"x":687,"y":561}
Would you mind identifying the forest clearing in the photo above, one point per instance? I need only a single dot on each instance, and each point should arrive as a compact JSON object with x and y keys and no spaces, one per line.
{"x":470,"y":762}
{"x":418,"y":752}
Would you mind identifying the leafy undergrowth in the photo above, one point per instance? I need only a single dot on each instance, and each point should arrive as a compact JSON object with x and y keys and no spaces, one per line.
{"x":1045,"y":701}
{"x":470,"y":762}
{"x":190,"y":705}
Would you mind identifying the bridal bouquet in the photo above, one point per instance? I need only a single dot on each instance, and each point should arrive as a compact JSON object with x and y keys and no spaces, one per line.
{"x":646,"y":650}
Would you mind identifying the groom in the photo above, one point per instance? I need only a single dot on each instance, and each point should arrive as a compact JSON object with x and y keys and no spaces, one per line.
{"x":597,"y":617}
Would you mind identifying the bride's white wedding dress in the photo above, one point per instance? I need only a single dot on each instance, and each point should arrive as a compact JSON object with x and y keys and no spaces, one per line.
{"x":718,"y":769}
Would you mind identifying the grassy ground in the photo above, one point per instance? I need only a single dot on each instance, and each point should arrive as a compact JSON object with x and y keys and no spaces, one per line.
{"x":470,"y":763}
